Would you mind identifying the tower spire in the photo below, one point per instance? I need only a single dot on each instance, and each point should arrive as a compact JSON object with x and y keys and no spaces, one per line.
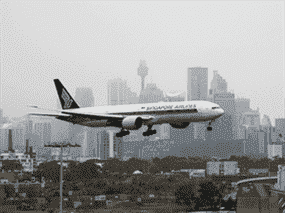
{"x":142,"y":72}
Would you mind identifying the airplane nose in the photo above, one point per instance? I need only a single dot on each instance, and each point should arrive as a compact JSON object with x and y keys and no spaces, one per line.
{"x":222,"y":111}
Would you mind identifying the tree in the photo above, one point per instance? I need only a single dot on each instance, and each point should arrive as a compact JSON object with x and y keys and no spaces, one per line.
{"x":11,"y":165}
{"x":70,"y":174}
{"x":184,"y":195}
{"x":113,"y":165}
{"x":10,"y":190}
{"x":49,"y":170}
{"x":87,"y":171}
{"x":209,"y":192}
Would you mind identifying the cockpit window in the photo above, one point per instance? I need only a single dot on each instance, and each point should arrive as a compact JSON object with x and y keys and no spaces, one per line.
{"x":216,"y":108}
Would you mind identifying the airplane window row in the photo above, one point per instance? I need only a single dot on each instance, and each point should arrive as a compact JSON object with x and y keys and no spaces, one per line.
{"x":216,"y":107}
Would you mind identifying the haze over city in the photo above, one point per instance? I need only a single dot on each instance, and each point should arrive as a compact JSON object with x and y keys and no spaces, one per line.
{"x":85,"y":44}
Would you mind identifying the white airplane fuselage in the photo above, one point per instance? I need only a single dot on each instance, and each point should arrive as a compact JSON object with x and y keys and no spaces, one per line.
{"x":162,"y":112}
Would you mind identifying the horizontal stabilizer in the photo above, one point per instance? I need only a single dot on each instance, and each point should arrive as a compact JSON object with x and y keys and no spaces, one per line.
{"x":50,"y":114}
{"x":37,"y":107}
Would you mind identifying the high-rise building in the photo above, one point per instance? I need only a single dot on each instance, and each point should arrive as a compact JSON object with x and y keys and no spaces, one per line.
{"x":42,"y":135}
{"x":266,"y":121}
{"x":118,"y":147}
{"x":251,"y":120}
{"x":218,"y":84}
{"x":102,"y":148}
{"x":28,"y":128}
{"x":200,"y":130}
{"x":151,"y":94}
{"x":81,"y":134}
{"x":280,"y":125}
{"x":274,"y":150}
{"x":225,"y":126}
{"x":175,"y":97}
{"x":92,"y":143}
{"x":1,"y":117}
{"x":197,"y":84}
{"x":242,"y":105}
{"x":4,"y":139}
{"x":84,"y":97}
{"x":255,"y":143}
{"x":119,"y":93}
{"x":18,"y":137}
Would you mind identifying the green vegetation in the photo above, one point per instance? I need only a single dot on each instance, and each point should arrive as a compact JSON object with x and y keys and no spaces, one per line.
{"x":87,"y":180}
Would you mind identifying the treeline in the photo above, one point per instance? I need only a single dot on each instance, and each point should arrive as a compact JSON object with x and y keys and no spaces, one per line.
{"x":89,"y":169}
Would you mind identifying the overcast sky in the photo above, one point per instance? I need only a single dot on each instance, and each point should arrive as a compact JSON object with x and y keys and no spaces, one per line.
{"x":85,"y":43}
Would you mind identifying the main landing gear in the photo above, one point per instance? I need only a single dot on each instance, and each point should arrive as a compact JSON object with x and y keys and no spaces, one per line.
{"x":122,"y":133}
{"x":209,"y":128}
{"x":149,"y":131}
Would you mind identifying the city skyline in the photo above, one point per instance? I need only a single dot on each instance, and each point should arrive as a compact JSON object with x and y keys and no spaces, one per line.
{"x":228,"y":38}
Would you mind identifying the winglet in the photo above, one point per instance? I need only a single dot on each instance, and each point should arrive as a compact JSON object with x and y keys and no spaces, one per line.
{"x":67,"y":102}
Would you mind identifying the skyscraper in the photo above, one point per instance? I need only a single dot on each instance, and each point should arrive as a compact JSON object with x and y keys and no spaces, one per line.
{"x":84,"y":97}
{"x":242,"y":105}
{"x":119,"y":93}
{"x":280,"y":125}
{"x":1,"y":117}
{"x":103,"y":145}
{"x":41,"y":135}
{"x":255,"y":143}
{"x":223,"y":127}
{"x":80,"y":134}
{"x":251,"y":120}
{"x":175,"y":97}
{"x":151,"y":94}
{"x":218,"y":84}
{"x":18,"y":136}
{"x":4,"y":139}
{"x":197,"y":83}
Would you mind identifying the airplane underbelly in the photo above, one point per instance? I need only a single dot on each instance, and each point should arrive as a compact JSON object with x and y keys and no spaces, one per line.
{"x":185,"y":117}
{"x":95,"y":123}
{"x":191,"y":117}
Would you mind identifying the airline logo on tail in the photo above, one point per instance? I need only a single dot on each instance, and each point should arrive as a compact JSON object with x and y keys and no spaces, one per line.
{"x":67,"y":100}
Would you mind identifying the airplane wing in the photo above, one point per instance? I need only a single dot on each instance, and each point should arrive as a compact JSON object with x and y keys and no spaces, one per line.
{"x":91,"y":115}
{"x":104,"y":115}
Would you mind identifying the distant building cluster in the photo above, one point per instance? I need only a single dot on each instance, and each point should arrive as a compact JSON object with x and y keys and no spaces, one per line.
{"x":239,"y":131}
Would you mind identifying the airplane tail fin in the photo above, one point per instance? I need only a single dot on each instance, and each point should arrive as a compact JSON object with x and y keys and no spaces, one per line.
{"x":67,"y":102}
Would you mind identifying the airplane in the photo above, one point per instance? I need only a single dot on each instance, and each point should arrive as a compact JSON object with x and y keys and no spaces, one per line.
{"x":131,"y":117}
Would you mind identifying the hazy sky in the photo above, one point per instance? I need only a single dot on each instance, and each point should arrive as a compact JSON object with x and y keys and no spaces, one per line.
{"x":85,"y":43}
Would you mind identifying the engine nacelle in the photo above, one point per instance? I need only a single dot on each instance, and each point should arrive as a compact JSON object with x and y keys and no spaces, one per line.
{"x":132,"y":123}
{"x":180,"y":125}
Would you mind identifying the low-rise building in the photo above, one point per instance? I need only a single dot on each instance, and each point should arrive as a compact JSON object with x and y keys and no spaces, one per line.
{"x":26,"y":160}
{"x":224,"y":168}
{"x":197,"y":173}
{"x":229,"y":167}
{"x":213,"y":168}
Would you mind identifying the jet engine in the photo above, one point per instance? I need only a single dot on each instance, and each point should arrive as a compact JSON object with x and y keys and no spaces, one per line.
{"x":132,"y":123}
{"x":180,"y":125}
